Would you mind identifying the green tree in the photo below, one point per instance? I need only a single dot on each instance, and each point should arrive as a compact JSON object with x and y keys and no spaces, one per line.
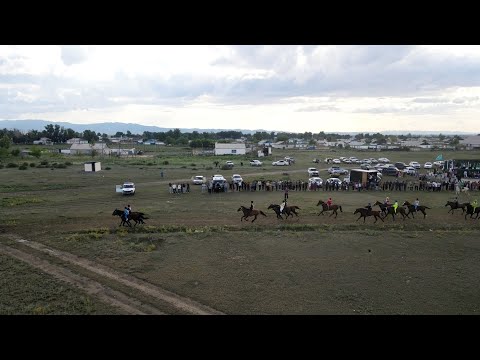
{"x":5,"y":141}
{"x":35,"y":151}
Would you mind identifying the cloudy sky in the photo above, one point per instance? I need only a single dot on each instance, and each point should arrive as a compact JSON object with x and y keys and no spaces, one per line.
{"x":285,"y":88}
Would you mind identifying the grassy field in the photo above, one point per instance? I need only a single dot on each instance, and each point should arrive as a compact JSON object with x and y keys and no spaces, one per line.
{"x":194,"y":244}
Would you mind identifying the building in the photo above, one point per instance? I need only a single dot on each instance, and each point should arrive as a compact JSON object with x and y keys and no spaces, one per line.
{"x":76,"y":141}
{"x":93,"y":166}
{"x":230,"y":149}
{"x":86,"y":149}
{"x":471,"y":142}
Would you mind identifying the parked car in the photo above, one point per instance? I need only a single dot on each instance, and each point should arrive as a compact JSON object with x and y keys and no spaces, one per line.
{"x":333,"y":181}
{"x":373,"y":160}
{"x":312,"y":172}
{"x":400,"y":165}
{"x":337,"y":170}
{"x":439,"y":163}
{"x":256,"y":163}
{"x":366,"y":166}
{"x":379,"y":166}
{"x":218,"y":178}
{"x":290,"y":160}
{"x":229,"y":163}
{"x":409,"y":170}
{"x":391,"y":171}
{"x":315,"y":180}
{"x":383,"y":160}
{"x":236,"y":178}
{"x":280,"y":163}
{"x":198,"y":180}
{"x":427,"y":165}
{"x":415,"y":164}
{"x":128,"y":188}
{"x":336,"y":161}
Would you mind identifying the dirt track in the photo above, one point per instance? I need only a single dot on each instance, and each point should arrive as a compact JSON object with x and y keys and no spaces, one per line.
{"x":128,"y":304}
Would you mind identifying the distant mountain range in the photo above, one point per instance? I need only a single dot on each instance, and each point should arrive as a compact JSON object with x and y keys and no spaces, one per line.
{"x":111,"y":128}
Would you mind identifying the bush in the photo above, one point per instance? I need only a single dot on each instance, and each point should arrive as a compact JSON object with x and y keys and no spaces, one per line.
{"x":108,"y":168}
{"x":193,"y":165}
{"x":61,"y":166}
{"x":12,"y":165}
{"x":22,"y":167}
{"x":25,"y":164}
{"x":165,"y":162}
{"x":150,"y":164}
{"x":1,"y":166}
{"x":32,"y":165}
{"x":208,"y":168}
{"x":15,"y":152}
{"x":44,"y":162}
{"x":68,"y":163}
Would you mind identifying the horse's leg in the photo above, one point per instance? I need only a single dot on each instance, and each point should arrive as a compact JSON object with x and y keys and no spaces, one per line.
{"x":359,"y":218}
{"x":255,"y":218}
{"x":424,"y":214}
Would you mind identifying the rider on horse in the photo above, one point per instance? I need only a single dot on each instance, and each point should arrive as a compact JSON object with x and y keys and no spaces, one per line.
{"x":329,"y":203}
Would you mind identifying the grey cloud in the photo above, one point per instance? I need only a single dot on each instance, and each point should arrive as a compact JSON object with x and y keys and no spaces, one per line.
{"x":430,"y":100}
{"x":72,"y":54}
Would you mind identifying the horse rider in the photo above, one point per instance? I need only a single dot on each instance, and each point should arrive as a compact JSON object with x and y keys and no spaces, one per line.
{"x":329,"y":203}
{"x":126,"y":212}
{"x":474,"y":205}
{"x":386,"y":202}
{"x":456,"y":201}
{"x":395,"y":206}
{"x":416,"y":204}
{"x":282,"y":205}
{"x":251,"y":206}
{"x":369,"y":207}
{"x":129,"y":208}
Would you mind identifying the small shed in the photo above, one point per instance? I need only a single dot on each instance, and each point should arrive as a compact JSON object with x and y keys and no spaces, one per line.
{"x":93,"y":166}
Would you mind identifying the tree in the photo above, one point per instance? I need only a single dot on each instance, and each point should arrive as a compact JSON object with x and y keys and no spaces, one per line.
{"x":5,"y":141}
{"x":35,"y":151}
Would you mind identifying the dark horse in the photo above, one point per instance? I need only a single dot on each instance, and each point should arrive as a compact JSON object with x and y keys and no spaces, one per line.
{"x":247,"y":213}
{"x":471,"y":212}
{"x":366,"y":212}
{"x":455,"y":205}
{"x":138,"y":217}
{"x":389,"y":210}
{"x":411,"y":209}
{"x":332,"y":207}
{"x":287,"y":210}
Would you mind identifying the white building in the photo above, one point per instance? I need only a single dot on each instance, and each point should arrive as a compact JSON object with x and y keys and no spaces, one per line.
{"x":86,"y":149}
{"x":230,"y":149}
{"x":76,"y":141}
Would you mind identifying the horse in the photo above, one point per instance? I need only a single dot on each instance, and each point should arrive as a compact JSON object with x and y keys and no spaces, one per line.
{"x":412,"y":210}
{"x":389,"y":210}
{"x":247,"y":213}
{"x":456,"y":205}
{"x":136,"y":216}
{"x":471,"y":212}
{"x":287,"y":210}
{"x":365,"y":212}
{"x":332,"y":208}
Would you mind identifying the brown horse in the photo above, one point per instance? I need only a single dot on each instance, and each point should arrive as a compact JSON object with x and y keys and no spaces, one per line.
{"x":471,"y":211}
{"x":412,"y":210}
{"x":287,"y":210}
{"x":332,"y":208}
{"x":456,"y":205}
{"x":365,"y":212}
{"x":389,"y":210}
{"x":247,"y":213}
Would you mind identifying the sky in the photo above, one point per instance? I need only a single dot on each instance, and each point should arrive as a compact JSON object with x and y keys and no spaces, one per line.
{"x":291,"y":88}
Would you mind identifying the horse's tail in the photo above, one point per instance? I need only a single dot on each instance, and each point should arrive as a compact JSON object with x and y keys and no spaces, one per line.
{"x":144,"y":217}
{"x":340,"y":207}
{"x":261,"y":212}
{"x":426,"y":207}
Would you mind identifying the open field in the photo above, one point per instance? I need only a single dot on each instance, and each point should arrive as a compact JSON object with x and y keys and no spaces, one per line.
{"x":195,"y":256}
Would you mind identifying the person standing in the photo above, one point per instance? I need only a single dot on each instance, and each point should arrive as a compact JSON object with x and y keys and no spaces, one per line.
{"x":286,"y":193}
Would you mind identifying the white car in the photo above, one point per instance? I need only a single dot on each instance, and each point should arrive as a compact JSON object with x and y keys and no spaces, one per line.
{"x":218,"y":178}
{"x":229,"y":163}
{"x":336,"y":161}
{"x":280,"y":163}
{"x":427,"y":165}
{"x":315,"y":180}
{"x":366,"y":161}
{"x":379,"y":166}
{"x":128,"y":188}
{"x":439,"y":163}
{"x":337,"y":171}
{"x":373,"y":160}
{"x":334,"y":181}
{"x":256,"y":163}
{"x":415,"y":164}
{"x":312,"y":172}
{"x":410,"y":170}
{"x":198,"y":180}
{"x":383,"y":160}
{"x":237,"y":178}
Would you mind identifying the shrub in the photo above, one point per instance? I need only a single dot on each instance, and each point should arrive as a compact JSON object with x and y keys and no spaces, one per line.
{"x":61,"y":166}
{"x":32,"y":165}
{"x":12,"y":165}
{"x":165,"y":162}
{"x":15,"y":152}
{"x":68,"y":163}
{"x":22,"y":167}
{"x":44,"y":162}
{"x":108,"y":168}
{"x":193,"y":165}
{"x":25,"y":164}
{"x":150,"y":164}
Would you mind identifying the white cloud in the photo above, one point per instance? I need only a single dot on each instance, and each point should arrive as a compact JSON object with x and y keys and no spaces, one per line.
{"x":272,"y":87}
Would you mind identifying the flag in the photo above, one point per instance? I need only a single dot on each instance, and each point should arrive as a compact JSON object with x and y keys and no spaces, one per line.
{"x":439,"y":158}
